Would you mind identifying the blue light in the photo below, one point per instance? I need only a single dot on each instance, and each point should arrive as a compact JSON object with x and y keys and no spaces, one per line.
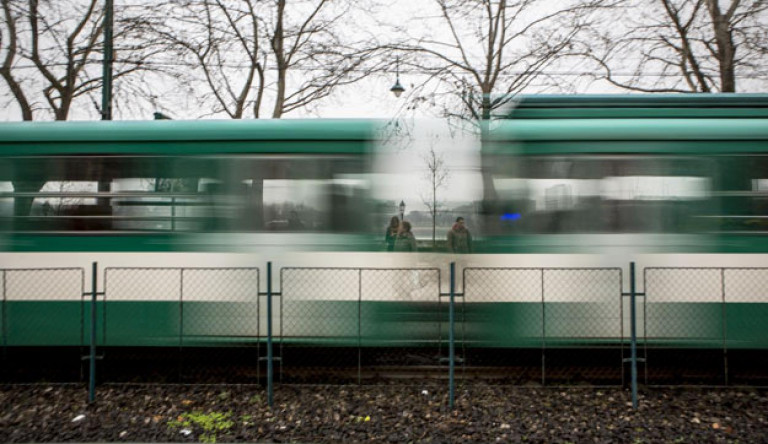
{"x":510,"y":216}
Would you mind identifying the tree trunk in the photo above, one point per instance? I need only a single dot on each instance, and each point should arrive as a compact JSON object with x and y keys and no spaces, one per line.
{"x":278,"y":46}
{"x":280,"y":99}
{"x":434,"y":211}
{"x":726,"y":50}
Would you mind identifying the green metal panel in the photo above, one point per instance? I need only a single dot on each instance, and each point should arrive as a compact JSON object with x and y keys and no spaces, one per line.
{"x":210,"y":319}
{"x":382,"y":323}
{"x":637,"y":105}
{"x":402,"y":324}
{"x":142,"y":323}
{"x":162,"y":242}
{"x":636,"y":113}
{"x":703,"y":147}
{"x":504,"y":324}
{"x":643,"y":100}
{"x":631,"y":130}
{"x":746,"y":326}
{"x":684,"y":324}
{"x":180,"y":130}
{"x":187,"y":137}
{"x":176,"y":148}
{"x":61,"y":243}
{"x":689,"y":325}
{"x":35,"y":323}
{"x":742,"y":243}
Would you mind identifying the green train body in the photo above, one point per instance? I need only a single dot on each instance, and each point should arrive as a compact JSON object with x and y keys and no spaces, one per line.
{"x":563,"y":180}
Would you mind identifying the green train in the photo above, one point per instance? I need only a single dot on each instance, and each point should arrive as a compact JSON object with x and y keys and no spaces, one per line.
{"x":183,"y":217}
{"x":674,"y":183}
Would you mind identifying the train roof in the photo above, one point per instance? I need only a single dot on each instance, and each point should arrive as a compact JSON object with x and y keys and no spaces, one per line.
{"x":178,"y":137}
{"x":621,"y":106}
{"x":667,"y":136}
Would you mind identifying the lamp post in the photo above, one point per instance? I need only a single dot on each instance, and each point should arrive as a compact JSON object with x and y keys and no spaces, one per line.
{"x":106,"y":85}
{"x":402,"y":210}
{"x":397,"y":88}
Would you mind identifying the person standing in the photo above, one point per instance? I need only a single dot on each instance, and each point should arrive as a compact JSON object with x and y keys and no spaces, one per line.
{"x":405,"y":240}
{"x":391,"y":234}
{"x":459,"y":238}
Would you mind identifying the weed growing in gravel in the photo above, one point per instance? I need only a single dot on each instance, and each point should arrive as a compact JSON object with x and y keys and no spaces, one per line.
{"x":211,"y":423}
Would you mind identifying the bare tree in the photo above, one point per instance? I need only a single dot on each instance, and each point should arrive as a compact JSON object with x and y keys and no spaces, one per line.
{"x":54,"y":50}
{"x":221,"y":41}
{"x":247,"y":53}
{"x":9,"y":33}
{"x":684,"y":45}
{"x":478,"y":53}
{"x":307,"y":40}
{"x":436,"y":175}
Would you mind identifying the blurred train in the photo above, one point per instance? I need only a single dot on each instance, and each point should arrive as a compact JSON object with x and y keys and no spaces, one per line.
{"x":569,"y":183}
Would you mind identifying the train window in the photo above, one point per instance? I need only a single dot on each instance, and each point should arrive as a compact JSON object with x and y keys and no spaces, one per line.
{"x":74,"y":201}
{"x":296,"y":205}
{"x":655,"y":187}
{"x":156,"y":204}
{"x":599,"y":194}
{"x":154,"y":193}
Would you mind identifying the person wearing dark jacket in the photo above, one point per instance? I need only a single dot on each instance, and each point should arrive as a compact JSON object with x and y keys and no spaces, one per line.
{"x":405,"y":240}
{"x":459,"y":238}
{"x":391,"y":234}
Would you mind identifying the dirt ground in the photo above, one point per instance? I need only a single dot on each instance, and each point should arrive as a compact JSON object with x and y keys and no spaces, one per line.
{"x":385,"y":413}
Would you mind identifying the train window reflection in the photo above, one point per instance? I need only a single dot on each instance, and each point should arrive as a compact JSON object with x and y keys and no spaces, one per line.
{"x":600,"y":194}
{"x":206,"y":193}
{"x":134,"y":207}
{"x":296,"y":205}
{"x":655,"y":187}
{"x":759,"y":184}
{"x":72,"y":210}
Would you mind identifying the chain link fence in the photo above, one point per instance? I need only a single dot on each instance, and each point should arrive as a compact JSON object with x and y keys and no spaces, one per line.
{"x":362,"y":325}
{"x":719,"y":314}
{"x":355,"y":323}
{"x":550,"y":319}
{"x":37,"y":336}
{"x":174,"y":323}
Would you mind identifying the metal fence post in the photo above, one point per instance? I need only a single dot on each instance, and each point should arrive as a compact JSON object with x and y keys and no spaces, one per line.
{"x":543,"y":331}
{"x":725,"y":326}
{"x":633,"y":332}
{"x":451,"y":339}
{"x":180,"y":361}
{"x":92,"y":366}
{"x":359,"y":326}
{"x":4,"y":321}
{"x":270,"y":388}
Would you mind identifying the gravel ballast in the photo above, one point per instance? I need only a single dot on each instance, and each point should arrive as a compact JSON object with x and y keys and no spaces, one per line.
{"x":383,"y":413}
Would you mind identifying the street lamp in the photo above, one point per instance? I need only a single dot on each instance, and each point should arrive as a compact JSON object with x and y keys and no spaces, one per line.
{"x":402,"y":209}
{"x":397,"y":88}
